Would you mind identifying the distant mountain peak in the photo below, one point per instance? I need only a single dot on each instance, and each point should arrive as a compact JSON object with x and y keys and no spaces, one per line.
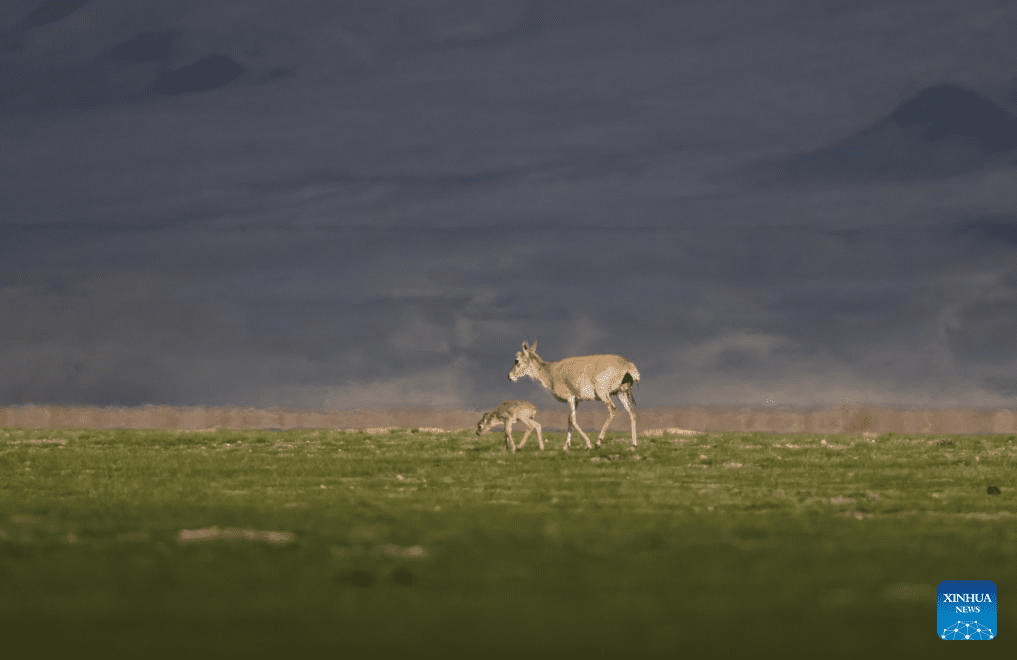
{"x":944,"y":130}
{"x":953,"y":110}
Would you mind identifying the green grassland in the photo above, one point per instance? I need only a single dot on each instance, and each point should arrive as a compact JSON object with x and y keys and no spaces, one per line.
{"x":411,"y":542}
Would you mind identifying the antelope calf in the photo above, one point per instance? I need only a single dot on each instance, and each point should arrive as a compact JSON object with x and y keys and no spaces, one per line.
{"x":583,"y":378}
{"x":508,"y":413}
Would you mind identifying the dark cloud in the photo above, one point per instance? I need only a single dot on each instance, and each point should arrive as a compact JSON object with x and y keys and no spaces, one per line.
{"x":49,"y":12}
{"x":371,"y":204}
{"x":981,"y":328}
{"x":208,"y":73}
{"x":153,"y":46}
{"x":61,"y":376}
{"x":992,"y":234}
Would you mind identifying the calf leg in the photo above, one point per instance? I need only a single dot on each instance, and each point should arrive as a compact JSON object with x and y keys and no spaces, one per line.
{"x":540,"y":438}
{"x":522,"y":442}
{"x":508,"y":436}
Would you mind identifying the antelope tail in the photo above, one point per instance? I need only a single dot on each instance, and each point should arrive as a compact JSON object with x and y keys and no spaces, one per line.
{"x":627,"y":383}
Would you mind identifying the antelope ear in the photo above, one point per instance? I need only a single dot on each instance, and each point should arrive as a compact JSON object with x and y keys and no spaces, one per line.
{"x":525,"y":347}
{"x":533,"y":348}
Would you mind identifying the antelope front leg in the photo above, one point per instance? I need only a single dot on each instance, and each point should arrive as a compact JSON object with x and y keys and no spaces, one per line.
{"x":568,"y":433}
{"x":573,"y":422}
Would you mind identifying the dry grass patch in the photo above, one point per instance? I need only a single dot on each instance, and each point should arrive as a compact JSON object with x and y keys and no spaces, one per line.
{"x":230,"y":534}
{"x":41,"y":441}
{"x":379,"y":430}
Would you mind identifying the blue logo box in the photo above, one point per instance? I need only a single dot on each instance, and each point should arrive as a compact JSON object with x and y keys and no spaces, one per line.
{"x":966,"y":609}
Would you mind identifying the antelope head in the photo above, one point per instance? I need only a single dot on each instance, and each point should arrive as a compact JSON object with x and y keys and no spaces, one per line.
{"x":485,"y":423}
{"x":525,"y":363}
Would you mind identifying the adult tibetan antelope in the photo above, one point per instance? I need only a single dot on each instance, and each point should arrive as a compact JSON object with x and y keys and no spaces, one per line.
{"x":507,"y":413}
{"x":584,"y":378}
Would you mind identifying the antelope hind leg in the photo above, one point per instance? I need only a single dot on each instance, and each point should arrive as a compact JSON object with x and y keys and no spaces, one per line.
{"x":610,"y":415}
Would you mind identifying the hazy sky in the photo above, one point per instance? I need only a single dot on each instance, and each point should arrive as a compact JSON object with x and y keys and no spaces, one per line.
{"x":345,"y":204}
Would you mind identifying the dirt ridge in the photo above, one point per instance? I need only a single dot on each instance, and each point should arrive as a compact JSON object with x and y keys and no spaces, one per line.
{"x":844,"y":419}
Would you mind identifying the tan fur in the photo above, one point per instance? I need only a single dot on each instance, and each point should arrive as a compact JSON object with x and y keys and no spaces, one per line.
{"x":584,"y":378}
{"x":507,"y":413}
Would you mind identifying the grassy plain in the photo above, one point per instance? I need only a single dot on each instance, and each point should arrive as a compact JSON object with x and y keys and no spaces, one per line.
{"x":155,"y":542}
